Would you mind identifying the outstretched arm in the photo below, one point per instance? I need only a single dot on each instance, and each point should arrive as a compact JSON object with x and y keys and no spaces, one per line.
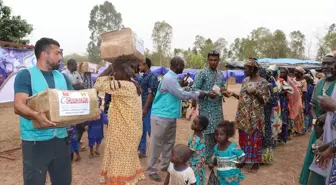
{"x":106,"y":84}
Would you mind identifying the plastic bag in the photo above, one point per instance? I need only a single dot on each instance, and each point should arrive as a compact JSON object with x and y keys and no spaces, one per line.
{"x":213,"y":179}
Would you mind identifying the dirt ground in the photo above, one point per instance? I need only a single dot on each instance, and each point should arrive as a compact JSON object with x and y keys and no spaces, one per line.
{"x":285,"y":170}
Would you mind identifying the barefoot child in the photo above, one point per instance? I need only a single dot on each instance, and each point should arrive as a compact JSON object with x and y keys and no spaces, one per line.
{"x":179,"y":172}
{"x":96,"y":132}
{"x":74,"y":143}
{"x":228,"y":157}
{"x":197,"y":146}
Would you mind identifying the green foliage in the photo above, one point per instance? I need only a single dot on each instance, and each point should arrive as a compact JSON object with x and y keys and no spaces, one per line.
{"x":262,"y":43}
{"x":13,"y":28}
{"x":297,"y":44}
{"x":327,"y":43}
{"x":203,"y":46}
{"x":196,"y":61}
{"x":162,"y":35}
{"x":103,"y":18}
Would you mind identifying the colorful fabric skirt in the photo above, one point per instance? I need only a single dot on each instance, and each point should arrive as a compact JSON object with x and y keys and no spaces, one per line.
{"x":308,"y":122}
{"x":299,"y":123}
{"x":251,"y":144}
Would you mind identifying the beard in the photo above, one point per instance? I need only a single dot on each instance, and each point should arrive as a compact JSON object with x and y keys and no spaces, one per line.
{"x":54,"y":66}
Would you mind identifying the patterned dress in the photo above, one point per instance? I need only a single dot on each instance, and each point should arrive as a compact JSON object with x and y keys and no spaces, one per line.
{"x":250,"y":119}
{"x":211,"y":108}
{"x":308,"y":118}
{"x":87,"y":80}
{"x":273,"y":120}
{"x":332,"y":175}
{"x":284,"y":109}
{"x":121,"y":164}
{"x":227,"y":172}
{"x":197,"y":160}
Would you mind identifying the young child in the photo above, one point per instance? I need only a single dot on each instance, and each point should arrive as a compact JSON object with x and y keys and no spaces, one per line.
{"x":96,"y":132}
{"x":228,"y":157}
{"x":196,"y":144}
{"x":179,"y":172}
{"x":74,"y":144}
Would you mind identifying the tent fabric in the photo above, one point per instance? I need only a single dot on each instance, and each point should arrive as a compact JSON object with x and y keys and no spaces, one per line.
{"x":286,"y":61}
{"x":159,"y":70}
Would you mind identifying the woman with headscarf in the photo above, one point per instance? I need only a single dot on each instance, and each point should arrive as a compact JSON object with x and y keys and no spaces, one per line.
{"x":313,"y":73}
{"x":121,"y":164}
{"x":250,"y":117}
{"x":301,"y":84}
{"x":273,"y":120}
{"x":308,"y":118}
{"x":286,"y":92}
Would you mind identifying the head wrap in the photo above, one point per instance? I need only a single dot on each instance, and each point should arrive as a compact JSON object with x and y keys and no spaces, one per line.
{"x":252,"y":62}
{"x":329,"y":58}
{"x":269,"y":75}
{"x":313,"y":72}
{"x":300,"y":69}
{"x":273,"y":68}
{"x":308,"y":76}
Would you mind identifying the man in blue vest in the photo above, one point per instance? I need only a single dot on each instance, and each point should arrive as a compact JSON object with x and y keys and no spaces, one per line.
{"x":166,"y":109}
{"x":45,"y":149}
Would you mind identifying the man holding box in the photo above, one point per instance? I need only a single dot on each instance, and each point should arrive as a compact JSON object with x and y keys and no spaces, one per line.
{"x":46,"y":149}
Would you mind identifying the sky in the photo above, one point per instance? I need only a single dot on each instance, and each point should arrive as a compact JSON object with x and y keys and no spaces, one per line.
{"x":67,"y":20}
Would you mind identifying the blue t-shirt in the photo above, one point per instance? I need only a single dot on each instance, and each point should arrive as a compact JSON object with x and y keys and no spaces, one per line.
{"x":149,"y":84}
{"x":73,"y":133}
{"x":96,"y":128}
{"x":22,"y":82}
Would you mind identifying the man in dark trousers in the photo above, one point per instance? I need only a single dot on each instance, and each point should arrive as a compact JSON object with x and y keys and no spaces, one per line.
{"x":45,"y":149}
{"x":149,"y":84}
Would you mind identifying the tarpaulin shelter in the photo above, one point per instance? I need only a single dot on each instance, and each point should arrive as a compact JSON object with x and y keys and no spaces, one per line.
{"x":286,"y":61}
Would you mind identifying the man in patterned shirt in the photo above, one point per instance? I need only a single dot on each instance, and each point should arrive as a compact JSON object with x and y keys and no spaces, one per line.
{"x":207,"y":80}
{"x":149,"y":85}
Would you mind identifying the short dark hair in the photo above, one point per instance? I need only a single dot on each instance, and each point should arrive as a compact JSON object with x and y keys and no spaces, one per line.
{"x":182,"y":151}
{"x":71,"y":62}
{"x":204,"y":121}
{"x":43,"y":45}
{"x":175,"y":61}
{"x":228,"y":126}
{"x":213,"y":53}
{"x":148,"y":63}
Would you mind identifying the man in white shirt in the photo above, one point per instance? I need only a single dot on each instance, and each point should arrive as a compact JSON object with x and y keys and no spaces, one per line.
{"x":74,"y":76}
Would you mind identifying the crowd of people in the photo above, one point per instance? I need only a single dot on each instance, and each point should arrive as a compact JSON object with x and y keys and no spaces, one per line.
{"x":273,"y":106}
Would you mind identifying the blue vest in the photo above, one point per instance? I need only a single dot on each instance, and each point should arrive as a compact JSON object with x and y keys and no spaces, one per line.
{"x":166,"y":105}
{"x":39,"y":84}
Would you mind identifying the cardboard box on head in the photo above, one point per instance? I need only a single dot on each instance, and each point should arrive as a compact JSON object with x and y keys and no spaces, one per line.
{"x":121,"y":42}
{"x":66,"y":107}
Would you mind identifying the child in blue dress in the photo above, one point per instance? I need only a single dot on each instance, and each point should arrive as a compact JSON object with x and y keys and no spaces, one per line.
{"x":96,"y":132}
{"x":73,"y":142}
{"x":196,"y":144}
{"x":228,"y":157}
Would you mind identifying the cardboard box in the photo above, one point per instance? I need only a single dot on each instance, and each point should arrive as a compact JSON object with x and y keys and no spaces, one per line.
{"x":121,"y":42}
{"x":65,"y":107}
{"x":85,"y":67}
